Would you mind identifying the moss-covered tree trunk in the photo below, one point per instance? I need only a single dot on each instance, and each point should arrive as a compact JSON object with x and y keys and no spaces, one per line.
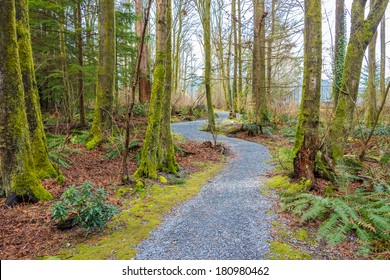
{"x":240,"y":92}
{"x":362,"y":31}
{"x":206,"y":22}
{"x":43,"y":166}
{"x":102,"y":119}
{"x":144,"y":86}
{"x":166,"y":154}
{"x":339,"y":50}
{"x":17,"y":166}
{"x":149,"y":154}
{"x":371,"y":110}
{"x":258,"y":73}
{"x":306,"y":138}
{"x":382,"y":83}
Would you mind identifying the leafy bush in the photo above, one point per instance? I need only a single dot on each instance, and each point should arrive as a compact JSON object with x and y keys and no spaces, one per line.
{"x":366,"y":213}
{"x":87,"y":206}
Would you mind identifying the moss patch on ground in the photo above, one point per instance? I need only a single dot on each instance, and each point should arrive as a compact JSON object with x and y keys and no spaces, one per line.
{"x":283,"y":251}
{"x":142,"y":214}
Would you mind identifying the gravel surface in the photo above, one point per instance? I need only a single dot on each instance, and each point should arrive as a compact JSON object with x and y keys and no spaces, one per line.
{"x":227,"y":219}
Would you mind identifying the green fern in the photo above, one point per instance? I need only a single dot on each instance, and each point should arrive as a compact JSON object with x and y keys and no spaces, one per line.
{"x":367,"y":214}
{"x":117,"y":149}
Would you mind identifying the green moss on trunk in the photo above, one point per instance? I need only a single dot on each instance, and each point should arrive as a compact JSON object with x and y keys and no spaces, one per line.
{"x":43,"y":166}
{"x":103,"y":112}
{"x":306,"y":140}
{"x":17,"y":165}
{"x":166,"y":153}
{"x":149,"y":155}
{"x":362,"y":31}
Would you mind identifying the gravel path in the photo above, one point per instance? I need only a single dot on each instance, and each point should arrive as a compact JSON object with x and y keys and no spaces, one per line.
{"x":227,"y":219}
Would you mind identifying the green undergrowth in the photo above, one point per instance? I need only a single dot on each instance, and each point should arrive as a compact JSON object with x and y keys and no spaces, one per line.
{"x":140,"y":214}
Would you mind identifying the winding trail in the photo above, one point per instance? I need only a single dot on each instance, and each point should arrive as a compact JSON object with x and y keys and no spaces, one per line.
{"x":227,"y":219}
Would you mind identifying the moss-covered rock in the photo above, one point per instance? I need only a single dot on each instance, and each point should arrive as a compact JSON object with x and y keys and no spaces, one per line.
{"x":163,"y":180}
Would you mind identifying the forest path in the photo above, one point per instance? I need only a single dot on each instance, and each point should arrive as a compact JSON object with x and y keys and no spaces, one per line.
{"x":228,"y":219}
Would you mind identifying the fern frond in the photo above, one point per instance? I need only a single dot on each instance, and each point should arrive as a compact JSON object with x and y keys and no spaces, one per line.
{"x":317,"y":209}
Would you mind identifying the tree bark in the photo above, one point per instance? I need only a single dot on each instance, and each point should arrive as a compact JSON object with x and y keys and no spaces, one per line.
{"x":306,"y":138}
{"x":235,"y":57}
{"x":144,"y":82}
{"x":80,"y":59}
{"x":269,"y":49}
{"x":383,"y":59}
{"x":102,"y":120}
{"x":19,"y":178}
{"x":362,"y":31}
{"x":371,"y":88}
{"x":258,"y":76}
{"x":149,"y":154}
{"x":43,"y":166}
{"x":339,"y":50}
{"x":206,"y":22}
{"x":166,"y":153}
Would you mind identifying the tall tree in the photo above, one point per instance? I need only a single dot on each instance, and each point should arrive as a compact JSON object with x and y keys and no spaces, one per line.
{"x":17,"y":165}
{"x":269,"y":47}
{"x":204,"y":8}
{"x":166,"y":152}
{"x":258,"y":76}
{"x":102,"y":119}
{"x":149,"y":155}
{"x":306,"y":138}
{"x":362,"y":31}
{"x":144,"y":82}
{"x":339,"y":50}
{"x":382,"y":82}
{"x":235,"y":56}
{"x":39,"y":149}
{"x":80,"y":59}
{"x":371,"y":88}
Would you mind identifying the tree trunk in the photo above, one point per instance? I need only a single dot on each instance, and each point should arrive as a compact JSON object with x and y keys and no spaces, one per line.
{"x":102,"y":120}
{"x":64,"y":68}
{"x":269,"y":49}
{"x":239,"y":58}
{"x":166,"y":153}
{"x":306,"y":139}
{"x":43,"y":166}
{"x":371,"y":88}
{"x":206,"y":22}
{"x":149,"y":161}
{"x":258,"y":80}
{"x":19,"y":178}
{"x":144,"y":82}
{"x":177,"y":46}
{"x":79,"y":31}
{"x":339,"y":50}
{"x":383,"y":59}
{"x":235,"y":57}
{"x":362,"y":31}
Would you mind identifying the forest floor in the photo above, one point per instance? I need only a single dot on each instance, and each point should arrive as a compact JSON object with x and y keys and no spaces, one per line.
{"x":293,"y":239}
{"x":28,"y":232}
